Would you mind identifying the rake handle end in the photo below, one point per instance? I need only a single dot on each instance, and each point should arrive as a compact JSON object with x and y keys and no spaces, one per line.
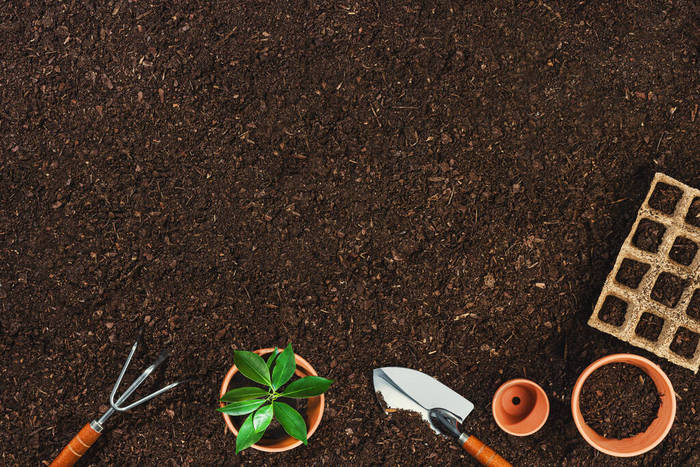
{"x":78,"y":446}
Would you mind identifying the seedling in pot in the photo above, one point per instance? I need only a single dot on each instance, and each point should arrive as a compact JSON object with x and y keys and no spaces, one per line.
{"x":263,"y":404}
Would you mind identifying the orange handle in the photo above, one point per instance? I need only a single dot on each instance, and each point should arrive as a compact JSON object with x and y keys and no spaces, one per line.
{"x":484,"y":454}
{"x":77,"y":447}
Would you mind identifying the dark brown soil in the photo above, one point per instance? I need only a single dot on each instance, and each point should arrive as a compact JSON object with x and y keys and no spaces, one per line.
{"x":693,"y":216}
{"x":649,"y":235}
{"x":693,"y":309}
{"x":613,"y":310}
{"x":631,"y":272}
{"x":443,"y":187}
{"x":649,"y":326}
{"x":619,"y":400}
{"x":667,"y":289}
{"x":685,"y":342}
{"x":665,"y":197}
{"x":683,"y":251}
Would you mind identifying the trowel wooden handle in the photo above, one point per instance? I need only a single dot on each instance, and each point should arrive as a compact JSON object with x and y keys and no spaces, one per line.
{"x":483,"y":454}
{"x":77,"y":447}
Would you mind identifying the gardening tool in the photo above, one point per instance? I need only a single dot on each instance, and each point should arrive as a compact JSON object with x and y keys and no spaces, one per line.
{"x":87,"y":436}
{"x":443,"y":409}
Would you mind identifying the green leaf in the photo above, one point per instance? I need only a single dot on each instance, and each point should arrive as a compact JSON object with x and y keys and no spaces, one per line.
{"x":284,"y":368}
{"x":262,"y":418}
{"x":292,"y":422}
{"x":243,"y":394}
{"x":247,"y":436}
{"x":309,"y":386}
{"x":272,"y":358}
{"x":252,"y":366}
{"x":242,"y":407}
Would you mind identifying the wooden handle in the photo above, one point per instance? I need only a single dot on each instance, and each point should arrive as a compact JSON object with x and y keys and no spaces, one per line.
{"x":484,"y":454}
{"x":77,"y":447}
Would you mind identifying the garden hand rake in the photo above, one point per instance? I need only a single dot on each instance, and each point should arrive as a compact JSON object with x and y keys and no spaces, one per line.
{"x":87,"y":436}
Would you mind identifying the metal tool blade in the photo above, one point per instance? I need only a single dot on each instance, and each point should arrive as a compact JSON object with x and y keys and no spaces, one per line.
{"x":407,"y":389}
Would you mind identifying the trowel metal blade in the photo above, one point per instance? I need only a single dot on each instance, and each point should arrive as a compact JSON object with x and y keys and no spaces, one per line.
{"x":407,"y":389}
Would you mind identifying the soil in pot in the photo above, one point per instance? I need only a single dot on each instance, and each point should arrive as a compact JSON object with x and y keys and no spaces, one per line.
{"x":619,"y":400}
{"x":275,"y":430}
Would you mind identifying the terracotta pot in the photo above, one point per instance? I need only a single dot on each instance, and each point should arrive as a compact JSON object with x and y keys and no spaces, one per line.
{"x":314,"y":410}
{"x":520,"y":407}
{"x":641,"y":442}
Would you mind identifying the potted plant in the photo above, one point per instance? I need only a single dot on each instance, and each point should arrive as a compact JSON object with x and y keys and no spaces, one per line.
{"x":263,"y":406}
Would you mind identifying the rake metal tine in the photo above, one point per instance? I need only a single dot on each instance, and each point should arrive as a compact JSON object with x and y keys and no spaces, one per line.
{"x":161,"y":358}
{"x":123,"y":372}
{"x":151,"y":396}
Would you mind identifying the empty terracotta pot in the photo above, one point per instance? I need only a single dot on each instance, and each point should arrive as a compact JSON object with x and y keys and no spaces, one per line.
{"x":641,"y":442}
{"x":520,"y":407}
{"x":314,"y":409}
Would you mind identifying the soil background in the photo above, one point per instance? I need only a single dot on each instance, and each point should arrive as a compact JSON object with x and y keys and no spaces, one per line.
{"x":438,"y":186}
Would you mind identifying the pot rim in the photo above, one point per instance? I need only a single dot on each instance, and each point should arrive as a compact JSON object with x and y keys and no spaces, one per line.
{"x":654,"y":433}
{"x":314,"y":415}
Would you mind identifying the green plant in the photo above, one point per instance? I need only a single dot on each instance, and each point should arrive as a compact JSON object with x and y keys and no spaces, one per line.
{"x":263,"y":404}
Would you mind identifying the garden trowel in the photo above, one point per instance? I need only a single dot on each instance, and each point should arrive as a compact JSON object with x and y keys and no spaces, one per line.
{"x":443,"y":409}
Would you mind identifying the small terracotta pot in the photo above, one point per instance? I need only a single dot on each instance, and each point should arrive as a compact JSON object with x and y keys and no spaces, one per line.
{"x":314,"y":409}
{"x":520,"y":407}
{"x":641,"y":442}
